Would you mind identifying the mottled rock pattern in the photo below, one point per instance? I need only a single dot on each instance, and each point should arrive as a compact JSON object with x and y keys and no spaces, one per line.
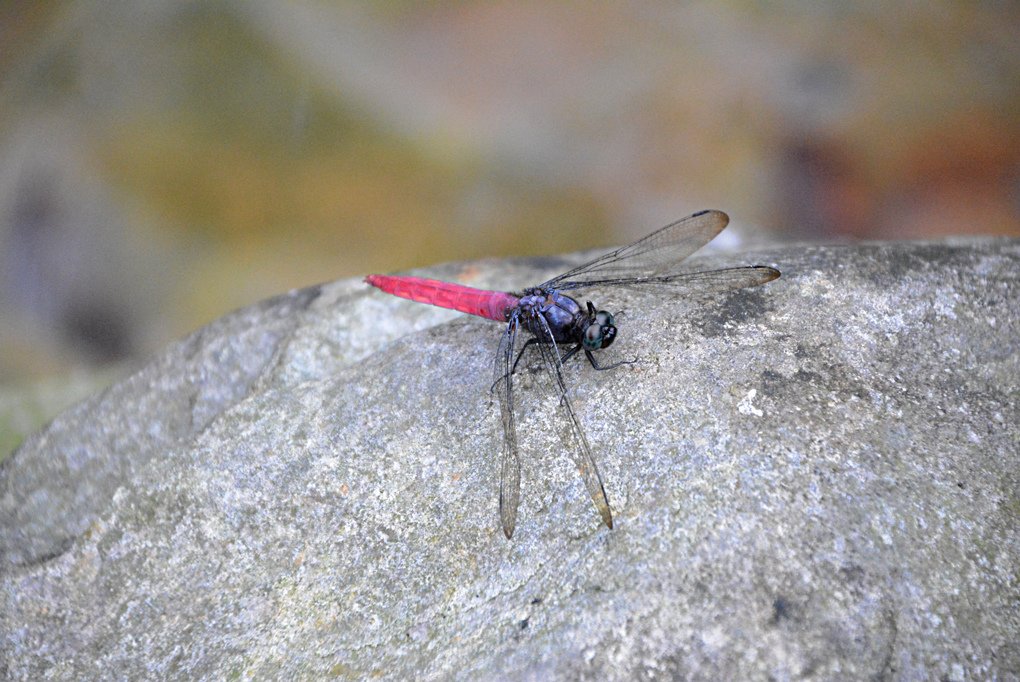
{"x":818,"y":478}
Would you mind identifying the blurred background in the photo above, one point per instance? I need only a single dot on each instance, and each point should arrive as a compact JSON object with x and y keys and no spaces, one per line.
{"x":163,"y":161}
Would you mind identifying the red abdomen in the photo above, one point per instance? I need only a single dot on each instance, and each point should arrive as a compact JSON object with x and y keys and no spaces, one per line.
{"x":492,"y":305}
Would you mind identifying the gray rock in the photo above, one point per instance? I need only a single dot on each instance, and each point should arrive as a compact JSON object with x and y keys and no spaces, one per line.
{"x":817,"y":478}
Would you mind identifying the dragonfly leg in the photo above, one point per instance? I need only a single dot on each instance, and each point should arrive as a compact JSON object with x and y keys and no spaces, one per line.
{"x":570,"y":353}
{"x":514,"y":368}
{"x":591,"y":359}
{"x":521,"y":354}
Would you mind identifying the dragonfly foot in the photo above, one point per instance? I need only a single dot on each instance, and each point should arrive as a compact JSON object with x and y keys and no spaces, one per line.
{"x":591,"y":359}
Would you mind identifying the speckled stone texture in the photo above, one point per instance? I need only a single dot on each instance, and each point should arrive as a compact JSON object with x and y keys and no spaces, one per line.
{"x":817,"y":478}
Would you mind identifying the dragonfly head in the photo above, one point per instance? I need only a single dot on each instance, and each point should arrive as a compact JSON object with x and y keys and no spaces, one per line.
{"x":600,"y":332}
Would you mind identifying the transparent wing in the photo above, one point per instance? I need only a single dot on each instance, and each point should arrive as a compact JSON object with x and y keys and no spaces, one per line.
{"x":692,"y":283}
{"x":655,"y":254}
{"x":510,"y":463}
{"x":579,"y":449}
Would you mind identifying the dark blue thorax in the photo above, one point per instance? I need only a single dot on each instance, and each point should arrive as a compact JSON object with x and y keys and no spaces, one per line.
{"x":562,"y":314}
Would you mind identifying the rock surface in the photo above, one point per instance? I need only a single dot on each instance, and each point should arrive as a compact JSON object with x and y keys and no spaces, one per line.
{"x":817,"y":478}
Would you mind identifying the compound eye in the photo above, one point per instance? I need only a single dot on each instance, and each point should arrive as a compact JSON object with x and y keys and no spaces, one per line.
{"x":608,"y":334}
{"x":593,"y":336}
{"x":607,"y":327}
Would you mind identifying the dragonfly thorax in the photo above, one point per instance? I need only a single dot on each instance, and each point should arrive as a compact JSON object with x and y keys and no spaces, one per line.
{"x":566,"y":319}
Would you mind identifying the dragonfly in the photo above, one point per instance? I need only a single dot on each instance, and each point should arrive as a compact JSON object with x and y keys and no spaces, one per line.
{"x":559,"y":327}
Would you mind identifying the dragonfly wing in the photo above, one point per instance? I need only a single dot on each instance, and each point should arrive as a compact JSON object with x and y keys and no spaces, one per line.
{"x":704,"y":282}
{"x":510,"y":463}
{"x":651,"y":255}
{"x":579,"y":450}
